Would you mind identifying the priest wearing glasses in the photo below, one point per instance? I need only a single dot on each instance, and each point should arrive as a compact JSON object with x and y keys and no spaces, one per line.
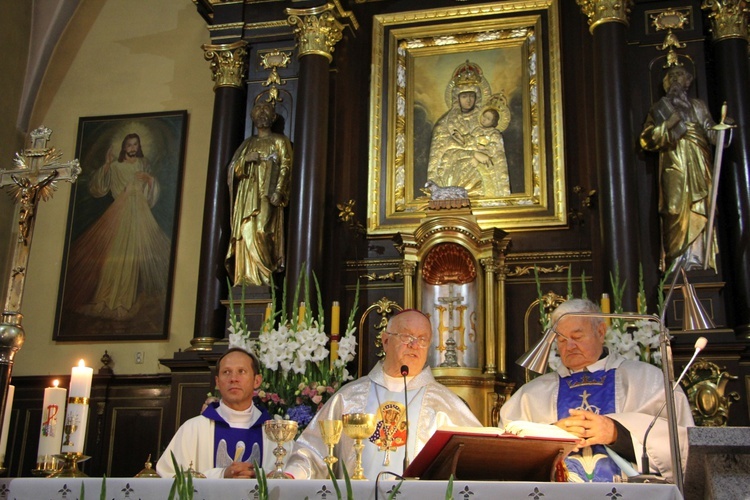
{"x":602,"y":398}
{"x":381,"y":392}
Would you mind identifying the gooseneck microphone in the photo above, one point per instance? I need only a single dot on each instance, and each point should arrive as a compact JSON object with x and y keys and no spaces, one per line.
{"x":700,"y":344}
{"x":405,"y":373}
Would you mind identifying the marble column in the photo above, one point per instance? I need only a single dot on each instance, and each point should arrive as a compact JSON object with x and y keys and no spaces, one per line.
{"x":228,"y":66}
{"x":729,"y":20}
{"x":608,"y":21}
{"x":317,"y":31}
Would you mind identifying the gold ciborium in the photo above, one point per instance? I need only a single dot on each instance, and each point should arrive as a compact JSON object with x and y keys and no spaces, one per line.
{"x":331,"y":432}
{"x":359,"y":426}
{"x":280,"y":432}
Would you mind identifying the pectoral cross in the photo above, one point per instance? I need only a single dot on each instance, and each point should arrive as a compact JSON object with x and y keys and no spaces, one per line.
{"x":32,"y":178}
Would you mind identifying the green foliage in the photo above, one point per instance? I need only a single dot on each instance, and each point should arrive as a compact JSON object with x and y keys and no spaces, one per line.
{"x":392,"y":494}
{"x":182,"y":486}
{"x":347,"y":482}
{"x":103,"y":492}
{"x":260,"y":476}
{"x":335,"y":482}
{"x":449,"y":489}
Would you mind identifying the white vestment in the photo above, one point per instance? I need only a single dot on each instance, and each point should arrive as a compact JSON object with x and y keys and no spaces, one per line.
{"x":439,"y":407}
{"x":639,"y":394}
{"x":194,"y":443}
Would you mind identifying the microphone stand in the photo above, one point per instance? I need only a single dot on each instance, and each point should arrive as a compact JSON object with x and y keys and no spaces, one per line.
{"x":405,"y":373}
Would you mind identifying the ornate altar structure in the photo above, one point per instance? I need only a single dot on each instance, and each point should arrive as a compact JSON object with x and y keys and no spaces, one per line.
{"x":454,"y":272}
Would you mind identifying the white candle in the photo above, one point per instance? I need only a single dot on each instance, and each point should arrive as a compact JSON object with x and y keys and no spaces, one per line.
{"x":77,"y":414}
{"x":50,"y":435}
{"x":80,"y":381}
{"x":6,"y":422}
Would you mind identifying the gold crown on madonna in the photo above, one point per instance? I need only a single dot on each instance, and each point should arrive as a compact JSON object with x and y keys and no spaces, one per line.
{"x":467,"y":73}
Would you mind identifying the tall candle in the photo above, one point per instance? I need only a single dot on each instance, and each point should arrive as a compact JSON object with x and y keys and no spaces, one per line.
{"x":301,"y":314}
{"x":605,"y":305}
{"x":6,"y":422}
{"x":77,"y":415}
{"x":335,"y":325}
{"x":335,"y":318}
{"x":80,"y":381}
{"x":50,"y":435}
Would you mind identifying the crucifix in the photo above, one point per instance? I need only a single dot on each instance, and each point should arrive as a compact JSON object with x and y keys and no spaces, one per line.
{"x":451,"y":358}
{"x":32,"y":179}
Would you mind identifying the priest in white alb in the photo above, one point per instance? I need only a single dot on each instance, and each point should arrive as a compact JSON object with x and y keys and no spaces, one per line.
{"x":602,"y":398}
{"x":381,"y":392}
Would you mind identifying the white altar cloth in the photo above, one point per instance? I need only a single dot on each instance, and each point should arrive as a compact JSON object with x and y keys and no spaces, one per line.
{"x":237,"y":489}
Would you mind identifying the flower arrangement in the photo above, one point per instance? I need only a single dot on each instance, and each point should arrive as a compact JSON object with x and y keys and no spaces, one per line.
{"x":300,"y":372}
{"x":637,"y":340}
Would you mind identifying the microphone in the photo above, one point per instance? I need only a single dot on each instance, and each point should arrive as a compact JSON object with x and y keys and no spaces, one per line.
{"x":700,"y":344}
{"x":405,"y":373}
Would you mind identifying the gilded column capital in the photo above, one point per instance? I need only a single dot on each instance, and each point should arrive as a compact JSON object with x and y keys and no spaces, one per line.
{"x":728,"y":18}
{"x":408,"y":268}
{"x":605,"y":11}
{"x":228,"y":63}
{"x":490,"y":264}
{"x":317,"y":30}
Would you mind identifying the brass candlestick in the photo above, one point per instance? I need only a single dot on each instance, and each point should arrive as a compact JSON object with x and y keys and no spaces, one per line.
{"x":70,"y":465}
{"x":48,"y":464}
{"x":331,"y":432}
{"x":359,"y":426}
{"x":280,"y":431}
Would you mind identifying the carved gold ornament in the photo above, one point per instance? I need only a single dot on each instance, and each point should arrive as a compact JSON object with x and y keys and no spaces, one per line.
{"x":228,"y":63}
{"x":273,"y":60}
{"x":317,"y":30}
{"x":705,"y":384}
{"x":728,"y":18}
{"x":605,"y":11}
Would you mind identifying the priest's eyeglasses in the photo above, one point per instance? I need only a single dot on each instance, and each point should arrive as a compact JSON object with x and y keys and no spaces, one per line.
{"x":407,"y":339}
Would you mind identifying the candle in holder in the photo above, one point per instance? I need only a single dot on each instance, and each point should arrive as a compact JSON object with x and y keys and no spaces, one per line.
{"x":335,"y":337}
{"x":50,"y":435}
{"x":77,"y":415}
{"x":6,"y":422}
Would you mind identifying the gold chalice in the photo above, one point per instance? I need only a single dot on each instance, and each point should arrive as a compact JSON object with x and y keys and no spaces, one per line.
{"x":331,"y":432}
{"x":280,"y":431}
{"x":359,"y":426}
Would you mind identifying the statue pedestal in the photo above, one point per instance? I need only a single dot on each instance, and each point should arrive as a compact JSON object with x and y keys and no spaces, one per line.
{"x":718,"y":463}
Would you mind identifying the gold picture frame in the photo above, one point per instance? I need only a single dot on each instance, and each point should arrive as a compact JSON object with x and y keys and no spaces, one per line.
{"x":416,"y":58}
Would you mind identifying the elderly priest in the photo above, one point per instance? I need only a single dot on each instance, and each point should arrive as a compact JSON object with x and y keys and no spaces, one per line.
{"x":381,"y":392}
{"x":602,"y":398}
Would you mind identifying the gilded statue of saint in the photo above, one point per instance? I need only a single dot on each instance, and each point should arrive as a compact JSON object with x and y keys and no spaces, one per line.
{"x":260,"y":168}
{"x":467,"y":148}
{"x":680,"y":129}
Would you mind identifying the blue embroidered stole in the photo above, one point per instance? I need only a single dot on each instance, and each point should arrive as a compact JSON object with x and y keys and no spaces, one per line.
{"x":226,"y":437}
{"x":594,"y":392}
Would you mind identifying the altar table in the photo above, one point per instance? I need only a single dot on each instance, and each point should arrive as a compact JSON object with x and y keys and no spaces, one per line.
{"x":238,"y":489}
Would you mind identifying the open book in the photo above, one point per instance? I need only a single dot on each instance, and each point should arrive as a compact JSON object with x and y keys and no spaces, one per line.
{"x":522,"y":451}
{"x":518,"y":428}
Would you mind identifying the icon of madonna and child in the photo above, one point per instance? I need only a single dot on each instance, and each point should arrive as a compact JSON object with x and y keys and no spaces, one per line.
{"x":467,"y":148}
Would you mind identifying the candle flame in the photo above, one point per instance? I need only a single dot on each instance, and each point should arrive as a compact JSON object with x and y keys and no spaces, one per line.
{"x":81,"y":364}
{"x":55,"y":382}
